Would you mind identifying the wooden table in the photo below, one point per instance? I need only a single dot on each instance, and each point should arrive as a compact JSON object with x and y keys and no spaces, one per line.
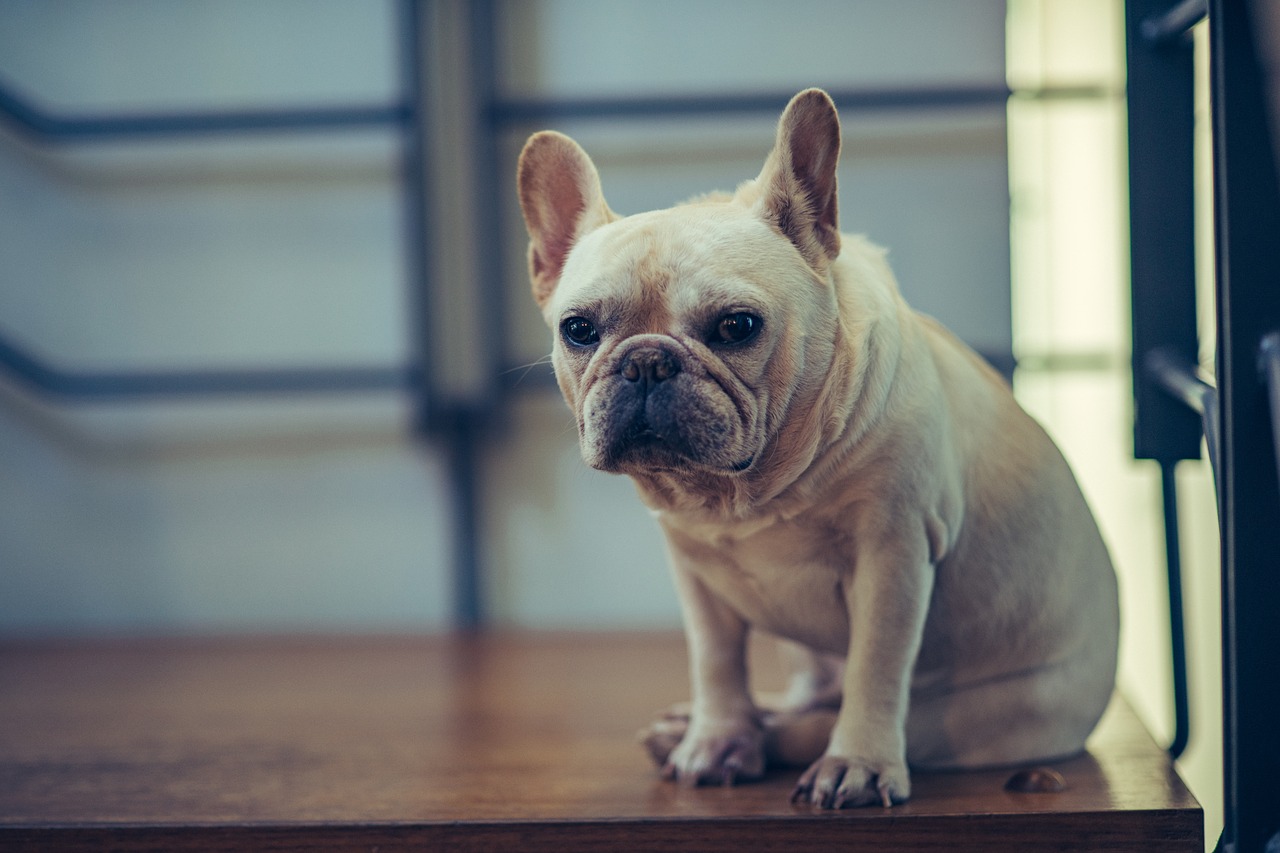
{"x":500,"y":742}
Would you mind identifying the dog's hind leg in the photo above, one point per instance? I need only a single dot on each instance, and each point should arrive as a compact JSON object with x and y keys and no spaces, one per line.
{"x":815,"y":679}
{"x":797,"y":721}
{"x":791,"y":738}
{"x":1036,"y":715}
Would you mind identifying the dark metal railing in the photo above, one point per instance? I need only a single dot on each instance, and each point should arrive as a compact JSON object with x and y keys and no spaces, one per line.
{"x":1182,"y":381}
{"x":1173,"y":23}
{"x":1186,"y":382}
{"x":1234,"y":409}
{"x":1246,"y":220}
{"x":42,"y":126}
{"x":39,"y":376}
{"x":1162,"y":277}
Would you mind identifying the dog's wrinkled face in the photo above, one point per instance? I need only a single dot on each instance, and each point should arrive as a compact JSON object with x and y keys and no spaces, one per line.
{"x":682,"y":335}
{"x":668,"y":345}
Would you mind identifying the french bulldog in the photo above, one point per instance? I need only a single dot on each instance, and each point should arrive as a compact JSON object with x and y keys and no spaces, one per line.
{"x":829,"y":467}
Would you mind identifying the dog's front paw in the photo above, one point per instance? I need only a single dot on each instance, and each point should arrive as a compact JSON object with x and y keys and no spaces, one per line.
{"x":719,"y":754}
{"x":836,"y":782}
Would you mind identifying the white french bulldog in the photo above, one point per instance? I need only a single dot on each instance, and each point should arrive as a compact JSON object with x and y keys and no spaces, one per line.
{"x":829,"y":467}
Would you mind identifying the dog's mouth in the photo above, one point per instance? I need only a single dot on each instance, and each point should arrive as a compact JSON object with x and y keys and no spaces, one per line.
{"x":644,"y":449}
{"x":640,"y":446}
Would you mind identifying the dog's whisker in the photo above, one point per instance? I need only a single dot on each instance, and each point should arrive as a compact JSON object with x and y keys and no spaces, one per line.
{"x":525,"y":369}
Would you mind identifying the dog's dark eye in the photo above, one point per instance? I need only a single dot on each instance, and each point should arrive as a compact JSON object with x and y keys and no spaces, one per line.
{"x":736,"y":328}
{"x":579,"y":332}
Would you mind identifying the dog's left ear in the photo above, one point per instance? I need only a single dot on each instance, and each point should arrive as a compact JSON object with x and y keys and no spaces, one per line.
{"x":798,"y":182}
{"x":561,"y":200}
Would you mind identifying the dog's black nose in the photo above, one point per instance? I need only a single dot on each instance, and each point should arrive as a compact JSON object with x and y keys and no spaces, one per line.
{"x":650,"y":365}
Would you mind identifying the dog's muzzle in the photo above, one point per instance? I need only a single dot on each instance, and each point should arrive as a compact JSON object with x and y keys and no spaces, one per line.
{"x":659,"y":410}
{"x":647,"y":402}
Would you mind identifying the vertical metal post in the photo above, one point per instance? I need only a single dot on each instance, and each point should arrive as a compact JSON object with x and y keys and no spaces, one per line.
{"x":488,"y":186}
{"x":1177,"y":625}
{"x":1162,"y":261}
{"x":1162,"y":230}
{"x":414,"y":192}
{"x":447,"y":412}
{"x":1247,"y":220}
{"x":463,"y":435}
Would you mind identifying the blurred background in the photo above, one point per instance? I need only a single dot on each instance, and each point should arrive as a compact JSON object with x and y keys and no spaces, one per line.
{"x":267,"y":357}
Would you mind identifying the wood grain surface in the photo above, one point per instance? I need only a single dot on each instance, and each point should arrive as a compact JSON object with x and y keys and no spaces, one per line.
{"x":519,"y":741}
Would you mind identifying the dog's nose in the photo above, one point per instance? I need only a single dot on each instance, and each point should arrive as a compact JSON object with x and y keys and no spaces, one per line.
{"x":649,"y":365}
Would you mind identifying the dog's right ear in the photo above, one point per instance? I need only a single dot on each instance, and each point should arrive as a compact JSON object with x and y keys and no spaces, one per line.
{"x":561,"y":200}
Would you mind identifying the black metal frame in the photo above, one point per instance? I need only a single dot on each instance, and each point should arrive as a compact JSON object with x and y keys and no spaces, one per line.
{"x":1162,"y":260}
{"x":1247,"y":219}
{"x":1244,"y":447}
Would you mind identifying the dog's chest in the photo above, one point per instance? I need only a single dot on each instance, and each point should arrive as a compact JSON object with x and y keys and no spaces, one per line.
{"x":782,"y":577}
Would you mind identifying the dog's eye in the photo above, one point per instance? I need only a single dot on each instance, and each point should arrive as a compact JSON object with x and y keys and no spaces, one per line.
{"x":736,"y":328}
{"x":579,"y":332}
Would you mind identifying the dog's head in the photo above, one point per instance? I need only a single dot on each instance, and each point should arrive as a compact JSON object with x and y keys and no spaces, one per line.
{"x":685,"y":338}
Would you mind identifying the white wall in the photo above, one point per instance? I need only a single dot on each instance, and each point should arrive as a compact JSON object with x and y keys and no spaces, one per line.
{"x":310,"y":529}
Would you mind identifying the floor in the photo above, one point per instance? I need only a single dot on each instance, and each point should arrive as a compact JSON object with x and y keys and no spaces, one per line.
{"x":505,"y":741}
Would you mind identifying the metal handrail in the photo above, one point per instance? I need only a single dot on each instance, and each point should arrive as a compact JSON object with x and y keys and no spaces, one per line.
{"x":45,"y":126}
{"x":1175,"y":23}
{"x":514,"y":111}
{"x":37,"y":375}
{"x":1162,"y":275}
{"x":1246,"y":195}
{"x":1184,"y":381}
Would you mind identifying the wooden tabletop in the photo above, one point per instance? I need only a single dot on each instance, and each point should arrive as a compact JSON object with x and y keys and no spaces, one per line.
{"x":520,"y":741}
